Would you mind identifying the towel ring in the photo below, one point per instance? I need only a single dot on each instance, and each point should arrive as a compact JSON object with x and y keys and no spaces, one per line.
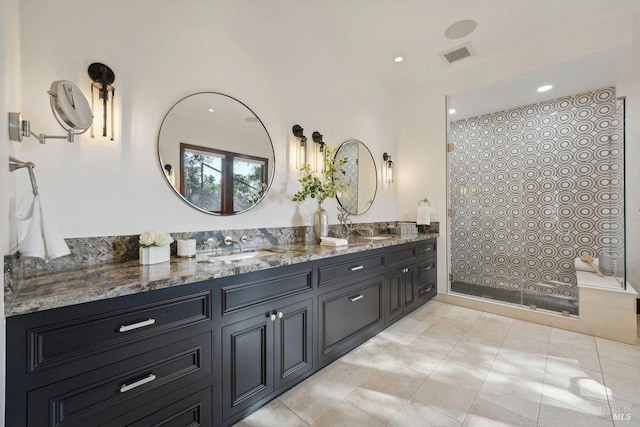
{"x":425,"y":200}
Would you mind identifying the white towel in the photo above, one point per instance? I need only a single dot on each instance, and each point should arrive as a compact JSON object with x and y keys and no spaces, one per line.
{"x":332,"y":241}
{"x":584,"y":266}
{"x":423,"y":217}
{"x":42,"y":239}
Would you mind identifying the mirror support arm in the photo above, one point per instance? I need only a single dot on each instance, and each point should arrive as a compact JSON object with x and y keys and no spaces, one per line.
{"x":20,"y":128}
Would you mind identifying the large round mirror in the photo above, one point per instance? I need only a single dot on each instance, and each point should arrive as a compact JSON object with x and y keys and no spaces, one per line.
{"x":360,"y":171}
{"x":216,"y":153}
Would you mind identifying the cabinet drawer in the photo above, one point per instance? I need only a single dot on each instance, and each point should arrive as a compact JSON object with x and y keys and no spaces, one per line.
{"x":426,"y":291}
{"x":115,"y":389}
{"x":428,"y":249}
{"x":63,"y":342}
{"x":405,"y":255}
{"x":192,"y":411}
{"x":350,"y":270}
{"x":427,"y":270}
{"x":346,"y":314}
{"x":237,"y":297}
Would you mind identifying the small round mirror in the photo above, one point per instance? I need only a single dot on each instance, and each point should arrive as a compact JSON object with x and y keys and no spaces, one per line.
{"x":70,"y":106}
{"x":216,"y":154}
{"x":360,"y":171}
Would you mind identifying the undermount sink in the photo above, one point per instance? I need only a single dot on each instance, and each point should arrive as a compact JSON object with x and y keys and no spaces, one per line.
{"x":228,"y":259}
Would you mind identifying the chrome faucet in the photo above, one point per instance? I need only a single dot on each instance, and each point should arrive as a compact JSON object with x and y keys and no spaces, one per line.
{"x":229,"y":240}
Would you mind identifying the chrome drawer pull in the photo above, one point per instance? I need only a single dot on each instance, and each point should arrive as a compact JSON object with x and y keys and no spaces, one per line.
{"x":428,"y":268}
{"x":356,"y":268}
{"x":429,"y":249}
{"x":354,"y":299}
{"x":127,"y":387}
{"x":125,"y":328}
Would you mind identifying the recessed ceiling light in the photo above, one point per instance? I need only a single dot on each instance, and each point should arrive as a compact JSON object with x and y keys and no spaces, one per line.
{"x":460,"y":29}
{"x":251,"y":119}
{"x":398,"y":59}
{"x":452,"y":111}
{"x":211,"y":110}
{"x":544,"y":88}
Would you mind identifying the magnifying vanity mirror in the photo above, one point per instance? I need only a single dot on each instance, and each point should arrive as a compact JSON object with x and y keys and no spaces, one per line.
{"x":361,"y":172}
{"x":216,"y":154}
{"x":70,"y":109}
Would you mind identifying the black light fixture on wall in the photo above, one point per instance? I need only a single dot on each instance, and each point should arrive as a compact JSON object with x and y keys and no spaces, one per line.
{"x":319,"y":152}
{"x":301,"y":146}
{"x":388,"y":168}
{"x":103,"y":110}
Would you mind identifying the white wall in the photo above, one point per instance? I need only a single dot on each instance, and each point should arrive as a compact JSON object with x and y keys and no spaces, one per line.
{"x":161,"y":51}
{"x":421,"y":156}
{"x":9,"y":101}
{"x":629,"y":85}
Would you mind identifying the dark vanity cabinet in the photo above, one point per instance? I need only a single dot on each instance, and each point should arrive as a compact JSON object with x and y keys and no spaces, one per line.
{"x":264,"y":353}
{"x":350,"y":303}
{"x":111,"y":362}
{"x":427,"y":271}
{"x":206,"y":353}
{"x":402,"y":279}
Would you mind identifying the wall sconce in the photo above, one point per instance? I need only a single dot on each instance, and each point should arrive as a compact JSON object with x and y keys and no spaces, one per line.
{"x":301,"y":146}
{"x":388,"y":168}
{"x":102,"y":77}
{"x":69,"y":107}
{"x":318,"y":152}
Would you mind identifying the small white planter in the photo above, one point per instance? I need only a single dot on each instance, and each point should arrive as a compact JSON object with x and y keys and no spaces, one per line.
{"x":155,"y":254}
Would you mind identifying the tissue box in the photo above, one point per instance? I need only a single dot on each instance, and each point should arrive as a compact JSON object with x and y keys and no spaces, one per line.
{"x":407,"y":229}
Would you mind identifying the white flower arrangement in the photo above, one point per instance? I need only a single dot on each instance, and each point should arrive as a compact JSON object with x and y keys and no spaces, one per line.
{"x":155,"y":238}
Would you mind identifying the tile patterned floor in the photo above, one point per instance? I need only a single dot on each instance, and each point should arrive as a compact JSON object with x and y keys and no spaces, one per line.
{"x":446,"y":365}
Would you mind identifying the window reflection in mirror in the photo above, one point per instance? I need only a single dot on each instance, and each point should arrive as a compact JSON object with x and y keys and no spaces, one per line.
{"x":220,"y":181}
{"x":216,"y":153}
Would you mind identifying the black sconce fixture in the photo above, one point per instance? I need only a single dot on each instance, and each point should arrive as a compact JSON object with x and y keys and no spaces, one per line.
{"x":301,"y":147}
{"x":103,"y":78}
{"x":388,"y":168}
{"x":319,"y":152}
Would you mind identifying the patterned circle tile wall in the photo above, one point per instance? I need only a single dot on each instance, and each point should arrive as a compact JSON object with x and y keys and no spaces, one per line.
{"x":534,"y":187}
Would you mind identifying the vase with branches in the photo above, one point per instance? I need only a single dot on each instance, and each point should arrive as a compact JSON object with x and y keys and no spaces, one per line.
{"x":322,"y":186}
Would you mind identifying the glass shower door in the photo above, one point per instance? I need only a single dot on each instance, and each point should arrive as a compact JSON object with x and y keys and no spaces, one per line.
{"x":485,"y":201}
{"x":549,"y":174}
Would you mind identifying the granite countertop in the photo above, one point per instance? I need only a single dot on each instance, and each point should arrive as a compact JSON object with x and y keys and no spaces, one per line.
{"x":43,"y":290}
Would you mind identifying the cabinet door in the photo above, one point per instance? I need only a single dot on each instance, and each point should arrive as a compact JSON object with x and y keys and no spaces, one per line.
{"x":394,"y":296}
{"x":293,"y":342}
{"x":410,"y":289}
{"x":247,"y":363}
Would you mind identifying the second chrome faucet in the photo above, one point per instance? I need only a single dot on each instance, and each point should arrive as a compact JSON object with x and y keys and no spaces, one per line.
{"x":230,"y":240}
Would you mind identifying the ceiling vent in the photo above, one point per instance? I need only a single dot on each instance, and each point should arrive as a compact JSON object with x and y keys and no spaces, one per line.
{"x":458,"y":53}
